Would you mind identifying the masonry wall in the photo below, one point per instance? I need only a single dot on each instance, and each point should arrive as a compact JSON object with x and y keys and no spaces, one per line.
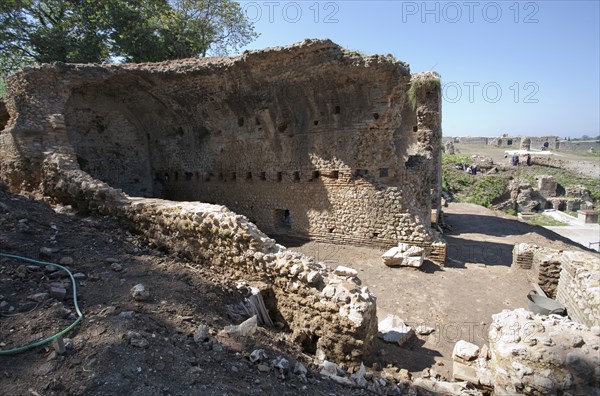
{"x":593,"y":145}
{"x":572,"y":278}
{"x":309,"y":140}
{"x":321,"y":309}
{"x":579,"y":287}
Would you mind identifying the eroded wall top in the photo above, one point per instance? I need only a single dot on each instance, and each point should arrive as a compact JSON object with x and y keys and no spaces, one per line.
{"x":324,"y":135}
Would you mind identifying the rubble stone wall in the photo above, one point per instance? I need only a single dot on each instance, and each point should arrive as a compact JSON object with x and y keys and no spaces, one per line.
{"x":542,"y":355}
{"x":572,"y":278}
{"x":309,"y":140}
{"x":579,"y":287}
{"x":565,"y":145}
{"x":322,"y":309}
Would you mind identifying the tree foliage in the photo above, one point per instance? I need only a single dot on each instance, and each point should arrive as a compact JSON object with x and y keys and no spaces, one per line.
{"x":35,"y":31}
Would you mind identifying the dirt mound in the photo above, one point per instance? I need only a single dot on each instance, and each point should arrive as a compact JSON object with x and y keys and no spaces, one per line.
{"x":124,"y":346}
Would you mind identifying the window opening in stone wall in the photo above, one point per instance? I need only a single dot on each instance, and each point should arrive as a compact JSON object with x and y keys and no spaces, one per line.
{"x":384,"y":172}
{"x":334,"y":174}
{"x":414,"y":161}
{"x":336,"y":110}
{"x":233,"y":175}
{"x":361,"y":172}
{"x":188,"y":176}
{"x":296,"y":176}
{"x":241,"y":121}
{"x":176,"y":176}
{"x":263,"y":176}
{"x":509,"y":142}
{"x":375,"y":234}
{"x":248,"y":175}
{"x":316,"y":122}
{"x":279,"y":176}
{"x":315,"y":175}
{"x":376,"y":116}
{"x":415,"y":128}
{"x":283,"y":219}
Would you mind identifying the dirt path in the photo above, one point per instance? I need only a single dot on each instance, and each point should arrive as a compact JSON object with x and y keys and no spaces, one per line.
{"x":457,"y":300}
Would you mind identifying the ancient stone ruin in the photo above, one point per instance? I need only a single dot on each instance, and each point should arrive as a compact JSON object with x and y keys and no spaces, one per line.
{"x":309,"y":141}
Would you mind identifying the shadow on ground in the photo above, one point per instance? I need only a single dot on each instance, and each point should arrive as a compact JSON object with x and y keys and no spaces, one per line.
{"x":489,"y":240}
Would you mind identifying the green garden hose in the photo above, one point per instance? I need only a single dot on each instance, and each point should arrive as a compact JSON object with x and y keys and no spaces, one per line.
{"x":46,"y":340}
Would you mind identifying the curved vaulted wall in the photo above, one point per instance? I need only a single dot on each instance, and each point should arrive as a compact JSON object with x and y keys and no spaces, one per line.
{"x":307,"y":140}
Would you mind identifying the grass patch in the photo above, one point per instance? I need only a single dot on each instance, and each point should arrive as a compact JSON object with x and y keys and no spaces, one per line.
{"x":546,"y":221}
{"x":2,"y":87}
{"x":511,"y":212}
{"x":479,"y":190}
{"x":430,"y":82}
{"x":563,"y":177}
{"x":455,"y":159}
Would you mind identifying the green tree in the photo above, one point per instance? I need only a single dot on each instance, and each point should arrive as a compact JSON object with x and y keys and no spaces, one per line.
{"x":35,"y":31}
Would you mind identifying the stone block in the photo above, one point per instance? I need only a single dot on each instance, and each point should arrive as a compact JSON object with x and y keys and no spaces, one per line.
{"x":463,"y":372}
{"x":465,"y":350}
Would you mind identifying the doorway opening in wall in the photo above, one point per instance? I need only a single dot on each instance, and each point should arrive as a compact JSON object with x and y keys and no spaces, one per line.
{"x":283,"y":220}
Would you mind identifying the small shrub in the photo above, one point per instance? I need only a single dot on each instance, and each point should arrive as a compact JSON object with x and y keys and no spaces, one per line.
{"x":546,"y":221}
{"x":455,"y":159}
{"x":430,"y":82}
{"x":480,"y":190}
{"x":2,"y":87}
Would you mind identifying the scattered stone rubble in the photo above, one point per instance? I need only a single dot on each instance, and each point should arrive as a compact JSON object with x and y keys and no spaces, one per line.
{"x":404,"y":255}
{"x":529,"y":199}
{"x":393,"y":329}
{"x":532,"y":354}
{"x":540,"y":355}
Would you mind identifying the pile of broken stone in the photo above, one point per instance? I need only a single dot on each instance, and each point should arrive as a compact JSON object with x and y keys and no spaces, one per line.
{"x":404,"y":255}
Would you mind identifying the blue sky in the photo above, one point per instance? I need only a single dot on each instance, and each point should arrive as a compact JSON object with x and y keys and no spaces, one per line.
{"x":523,"y":68}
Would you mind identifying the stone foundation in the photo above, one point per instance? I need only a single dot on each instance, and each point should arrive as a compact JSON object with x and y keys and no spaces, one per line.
{"x":542,"y":355}
{"x":309,"y":141}
{"x":322,"y":310}
{"x":579,"y":287}
{"x":572,"y":278}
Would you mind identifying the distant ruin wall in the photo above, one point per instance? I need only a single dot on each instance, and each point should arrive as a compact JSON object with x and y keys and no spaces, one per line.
{"x":579,"y":146}
{"x":309,"y":140}
{"x":472,"y":140}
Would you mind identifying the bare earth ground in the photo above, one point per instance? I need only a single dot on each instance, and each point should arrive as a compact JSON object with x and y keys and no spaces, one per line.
{"x":113,"y":352}
{"x":152,"y":351}
{"x":459,"y":299}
